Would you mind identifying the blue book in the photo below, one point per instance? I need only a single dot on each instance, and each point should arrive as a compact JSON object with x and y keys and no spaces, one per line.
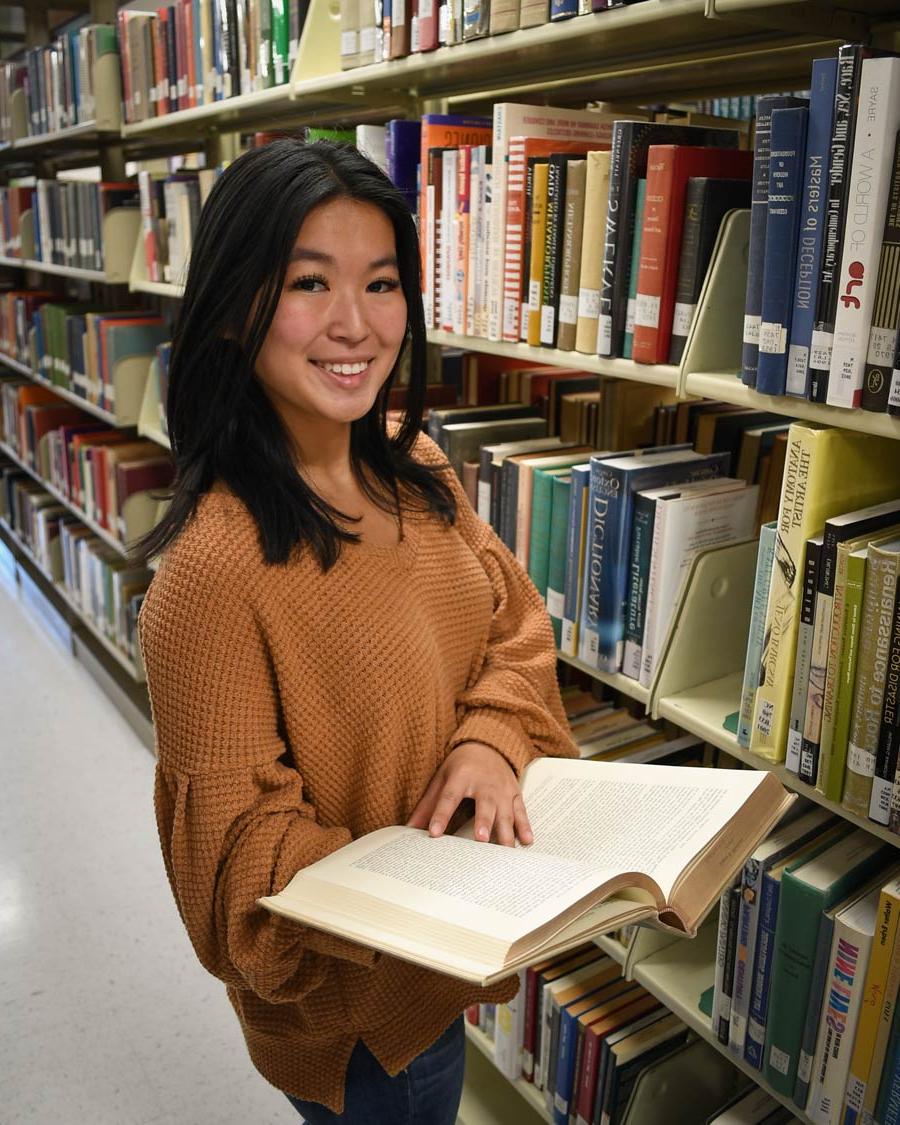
{"x":769,"y":900}
{"x":638,"y":577}
{"x":581,"y":479}
{"x":614,"y":481}
{"x":887,"y":1109}
{"x":36,"y":219}
{"x":563,"y":9}
{"x":759,"y":211}
{"x":757,"y":632}
{"x":812,"y":212}
{"x":198,"y":90}
{"x":402,"y":141}
{"x":788,"y":140}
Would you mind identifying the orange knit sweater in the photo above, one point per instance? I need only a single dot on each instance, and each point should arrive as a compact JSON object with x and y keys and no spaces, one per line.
{"x":295,"y":711}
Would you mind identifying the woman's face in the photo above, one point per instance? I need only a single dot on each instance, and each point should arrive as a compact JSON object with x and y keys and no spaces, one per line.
{"x":340,"y":320}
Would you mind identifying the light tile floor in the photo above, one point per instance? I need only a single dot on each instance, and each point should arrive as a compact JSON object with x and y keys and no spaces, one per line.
{"x":106,"y":1017}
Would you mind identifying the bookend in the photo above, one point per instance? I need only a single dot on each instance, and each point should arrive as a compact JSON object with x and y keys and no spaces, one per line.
{"x":121,"y":229}
{"x":126,"y":388}
{"x":149,"y":419}
{"x":319,"y":53}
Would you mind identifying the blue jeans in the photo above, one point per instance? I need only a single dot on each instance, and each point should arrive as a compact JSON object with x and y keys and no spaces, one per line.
{"x":428,"y":1092}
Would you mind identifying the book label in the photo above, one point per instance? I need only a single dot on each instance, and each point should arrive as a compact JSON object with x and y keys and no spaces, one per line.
{"x":804,"y":1067}
{"x":548,"y":319}
{"x":367,"y":40}
{"x":604,"y":335}
{"x":426,"y":9}
{"x":792,"y":753}
{"x":860,"y":761}
{"x":348,"y":43}
{"x":589,"y":303}
{"x":772,"y":337}
{"x":798,"y":360}
{"x":765,"y":717}
{"x":646,"y":312}
{"x":555,"y":603}
{"x":568,"y":309}
{"x":780,"y":1060}
{"x":820,"y":351}
{"x":534,"y":295}
{"x":894,"y":393}
{"x":880,"y":806}
{"x":629,"y":315}
{"x":398,"y":13}
{"x":807,"y":765}
{"x":414,"y":42}
{"x":682,"y":317}
{"x":510,"y":316}
{"x":881,"y":346}
{"x":568,"y":637}
{"x":751,"y":330}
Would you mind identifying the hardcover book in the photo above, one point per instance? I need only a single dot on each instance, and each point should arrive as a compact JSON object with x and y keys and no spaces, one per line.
{"x":634,"y":846}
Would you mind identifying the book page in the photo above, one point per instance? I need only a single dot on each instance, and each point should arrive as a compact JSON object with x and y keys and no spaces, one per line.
{"x":618,"y":817}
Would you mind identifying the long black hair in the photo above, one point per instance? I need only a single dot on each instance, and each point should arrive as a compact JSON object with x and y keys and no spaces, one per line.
{"x":221,"y":423}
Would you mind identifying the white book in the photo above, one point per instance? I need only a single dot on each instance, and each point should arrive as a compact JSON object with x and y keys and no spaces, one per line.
{"x":514,"y":120}
{"x":448,"y":241}
{"x":509,"y":1033}
{"x":476,"y":234}
{"x":877,"y":121}
{"x":683,"y":526}
{"x":370,"y":140}
{"x":851,"y":944}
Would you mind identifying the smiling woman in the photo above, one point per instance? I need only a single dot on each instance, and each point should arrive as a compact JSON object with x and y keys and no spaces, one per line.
{"x":333,"y":641}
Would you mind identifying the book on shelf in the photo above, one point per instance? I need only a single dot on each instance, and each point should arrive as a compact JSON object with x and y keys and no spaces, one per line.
{"x":554,"y":898}
{"x":882,"y":340}
{"x":594,"y":234}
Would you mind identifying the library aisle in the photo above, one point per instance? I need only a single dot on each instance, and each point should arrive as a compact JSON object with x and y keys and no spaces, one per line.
{"x":108,"y":1018}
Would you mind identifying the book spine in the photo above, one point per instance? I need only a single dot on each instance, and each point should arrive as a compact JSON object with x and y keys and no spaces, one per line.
{"x":894,"y":393}
{"x":756,"y":635}
{"x":596,"y":194}
{"x":573,"y":229}
{"x":688,"y":285}
{"x":575,"y":542}
{"x":516,"y":188}
{"x":802,"y":662}
{"x":638,"y":579}
{"x":607,"y":344}
{"x":745,"y":949}
{"x":639,"y":208}
{"x":844,"y":121}
{"x":556,"y":186}
{"x":889,"y":733}
{"x":759,"y":210}
{"x":724,"y":973}
{"x":818,"y":670}
{"x":832,"y":668}
{"x":539,"y":548}
{"x":877,"y":121}
{"x":540,"y":199}
{"x":497,"y":245}
{"x":853,"y":601}
{"x":817,"y":990}
{"x":556,"y":571}
{"x":883,"y":334}
{"x":788,"y":146}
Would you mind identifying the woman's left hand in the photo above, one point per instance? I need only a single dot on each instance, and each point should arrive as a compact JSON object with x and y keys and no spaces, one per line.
{"x":476,"y":771}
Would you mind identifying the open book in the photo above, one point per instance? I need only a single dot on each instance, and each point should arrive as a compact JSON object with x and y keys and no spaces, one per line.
{"x":614,"y":843}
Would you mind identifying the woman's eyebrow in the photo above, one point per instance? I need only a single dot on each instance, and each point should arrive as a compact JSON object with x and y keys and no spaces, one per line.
{"x":300,"y":254}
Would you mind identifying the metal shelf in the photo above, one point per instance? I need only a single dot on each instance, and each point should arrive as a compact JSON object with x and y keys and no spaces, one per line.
{"x":63,"y":392}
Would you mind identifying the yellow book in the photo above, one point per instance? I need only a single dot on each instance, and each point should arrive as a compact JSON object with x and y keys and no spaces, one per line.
{"x":873,"y":998}
{"x":596,"y":197}
{"x":536,"y":262}
{"x":827,"y":471}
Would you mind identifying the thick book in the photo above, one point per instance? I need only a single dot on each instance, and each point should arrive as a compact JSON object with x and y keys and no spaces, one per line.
{"x":573,"y":231}
{"x":668,"y":169}
{"x":788,"y":147}
{"x":808,"y":890}
{"x":878,"y":119}
{"x":575,"y":555}
{"x":631,"y":141}
{"x":803,"y":659}
{"x":764,"y":560}
{"x":613,"y":844}
{"x":810,"y":239}
{"x":640,"y":206}
{"x":884,"y":809}
{"x":539,"y":195}
{"x":522,"y":471}
{"x":707,"y":200}
{"x":883,"y":333}
{"x":882,"y":566}
{"x":759,"y":212}
{"x":593,"y":238}
{"x":557,"y":178}
{"x":826,"y":471}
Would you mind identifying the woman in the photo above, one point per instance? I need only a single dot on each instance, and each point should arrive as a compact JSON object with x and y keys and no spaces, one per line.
{"x":333,"y":642}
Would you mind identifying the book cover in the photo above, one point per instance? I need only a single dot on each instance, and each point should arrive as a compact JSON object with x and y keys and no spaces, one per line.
{"x":594,"y":235}
{"x":817,"y":162}
{"x":759,"y":210}
{"x":668,"y":168}
{"x":640,"y":204}
{"x":826,"y":471}
{"x":883,"y":333}
{"x":787,"y":151}
{"x":878,"y":119}
{"x":538,"y":242}
{"x":556,"y":568}
{"x":889,"y":734}
{"x":756,"y":635}
{"x":557,"y":186}
{"x":803,"y":658}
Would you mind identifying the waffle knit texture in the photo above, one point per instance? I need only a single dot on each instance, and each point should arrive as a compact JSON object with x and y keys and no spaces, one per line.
{"x":295,"y":711}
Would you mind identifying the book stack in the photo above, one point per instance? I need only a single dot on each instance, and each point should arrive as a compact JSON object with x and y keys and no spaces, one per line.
{"x":822,"y":307}
{"x":807,"y":964}
{"x":196,"y":52}
{"x":58,"y":80}
{"x":170,"y":211}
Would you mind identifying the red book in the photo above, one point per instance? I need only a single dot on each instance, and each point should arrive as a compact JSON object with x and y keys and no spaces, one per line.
{"x":132,"y":477}
{"x":520,"y":149}
{"x":125,"y":56}
{"x":668,"y":170}
{"x":41,"y":418}
{"x":77,"y":447}
{"x":428,"y":25}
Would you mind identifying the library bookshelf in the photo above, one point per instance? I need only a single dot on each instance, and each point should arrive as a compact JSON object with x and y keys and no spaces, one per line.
{"x":654,"y":51}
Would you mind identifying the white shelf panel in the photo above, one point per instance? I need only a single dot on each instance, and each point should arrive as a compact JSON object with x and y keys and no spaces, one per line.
{"x":702,"y":711}
{"x":662,"y":375}
{"x":16,"y":365}
{"x":73,"y":508}
{"x":154,"y":435}
{"x":122,"y":658}
{"x":624,"y":684}
{"x":158,"y":288}
{"x":236,"y":112}
{"x":729,"y":388}
{"x":63,"y":392}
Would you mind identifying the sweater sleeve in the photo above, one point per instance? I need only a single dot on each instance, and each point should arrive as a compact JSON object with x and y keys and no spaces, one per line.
{"x":514,"y":704}
{"x":232,"y":817}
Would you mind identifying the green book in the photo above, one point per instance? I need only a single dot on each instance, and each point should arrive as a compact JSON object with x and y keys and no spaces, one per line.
{"x":808,"y":888}
{"x":541,"y":515}
{"x":314,"y":133}
{"x":559,"y":532}
{"x":640,"y":198}
{"x":280,"y":42}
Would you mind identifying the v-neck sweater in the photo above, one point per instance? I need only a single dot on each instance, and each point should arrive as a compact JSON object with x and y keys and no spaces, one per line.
{"x":297,"y":710}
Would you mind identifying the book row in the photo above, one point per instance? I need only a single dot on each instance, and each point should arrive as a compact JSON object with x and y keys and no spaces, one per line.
{"x":807,"y":969}
{"x":58,"y":80}
{"x":80,"y":349}
{"x":195,"y":52}
{"x":822,"y":305}
{"x":66,"y":219}
{"x":843,"y":730}
{"x":110,"y":476}
{"x":97,"y":580}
